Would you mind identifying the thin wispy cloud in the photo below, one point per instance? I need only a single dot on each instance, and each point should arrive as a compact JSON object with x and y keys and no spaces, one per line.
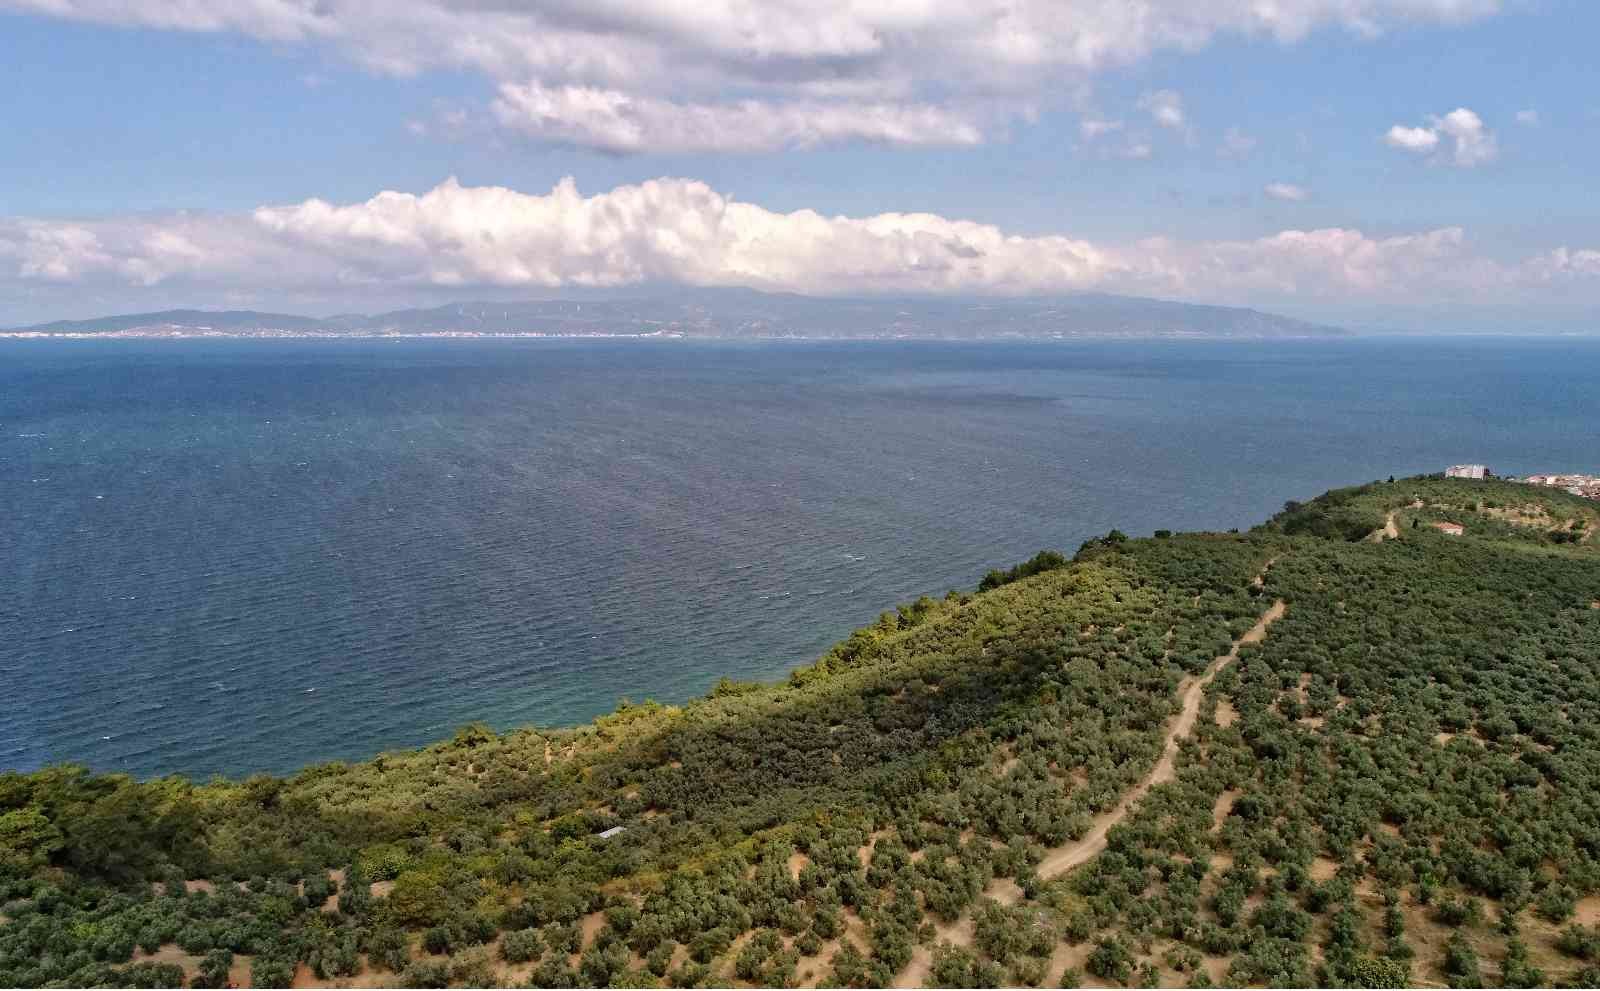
{"x":657,"y":74}
{"x":1236,"y":144}
{"x":1165,"y":107}
{"x":1093,"y":128}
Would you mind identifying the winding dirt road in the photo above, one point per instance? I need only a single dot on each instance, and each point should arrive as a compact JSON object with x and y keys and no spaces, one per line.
{"x":1064,"y":858}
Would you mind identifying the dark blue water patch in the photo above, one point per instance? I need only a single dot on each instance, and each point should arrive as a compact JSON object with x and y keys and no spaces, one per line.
{"x":225,"y":557}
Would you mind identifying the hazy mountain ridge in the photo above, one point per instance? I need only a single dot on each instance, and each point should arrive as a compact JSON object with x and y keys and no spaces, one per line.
{"x":730,"y":314}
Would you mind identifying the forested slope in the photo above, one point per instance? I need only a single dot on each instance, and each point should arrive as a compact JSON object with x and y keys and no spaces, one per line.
{"x":1399,"y":784}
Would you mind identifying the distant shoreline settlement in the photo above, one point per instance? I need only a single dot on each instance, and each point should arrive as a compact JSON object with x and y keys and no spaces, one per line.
{"x":1587,"y":486}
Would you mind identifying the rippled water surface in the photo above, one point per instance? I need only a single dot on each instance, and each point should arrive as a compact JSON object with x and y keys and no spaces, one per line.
{"x":241,"y":556}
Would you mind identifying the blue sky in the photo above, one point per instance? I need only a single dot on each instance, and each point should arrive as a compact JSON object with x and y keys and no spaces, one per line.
{"x":155,"y":157}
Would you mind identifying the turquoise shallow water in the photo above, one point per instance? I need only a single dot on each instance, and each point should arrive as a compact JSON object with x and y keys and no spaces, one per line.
{"x":225,"y":557}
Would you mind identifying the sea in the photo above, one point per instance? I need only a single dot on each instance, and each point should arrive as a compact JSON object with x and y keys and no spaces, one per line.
{"x":240,"y":556}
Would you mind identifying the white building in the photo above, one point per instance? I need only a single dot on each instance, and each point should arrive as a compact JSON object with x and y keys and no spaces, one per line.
{"x":1466,"y":471}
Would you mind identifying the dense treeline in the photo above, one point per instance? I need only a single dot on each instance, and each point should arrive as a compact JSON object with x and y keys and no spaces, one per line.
{"x":1401,"y":783}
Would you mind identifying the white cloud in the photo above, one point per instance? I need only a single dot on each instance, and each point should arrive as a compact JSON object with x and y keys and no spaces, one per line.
{"x":1472,"y":142}
{"x":1236,"y":144}
{"x":1475,"y":144}
{"x":673,"y":230}
{"x":1528,"y":118}
{"x":683,"y":231}
{"x":1094,"y":127}
{"x":1417,"y":139}
{"x":614,"y":121}
{"x":1286,"y":191}
{"x":1134,"y":146}
{"x":834,"y":70}
{"x":1165,"y":107}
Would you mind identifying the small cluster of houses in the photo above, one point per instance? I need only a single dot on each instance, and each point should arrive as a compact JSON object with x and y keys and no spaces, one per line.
{"x":1587,"y":486}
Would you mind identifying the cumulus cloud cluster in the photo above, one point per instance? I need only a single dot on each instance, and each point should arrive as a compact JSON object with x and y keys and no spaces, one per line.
{"x":1472,"y":143}
{"x":625,"y":76}
{"x":683,"y":231}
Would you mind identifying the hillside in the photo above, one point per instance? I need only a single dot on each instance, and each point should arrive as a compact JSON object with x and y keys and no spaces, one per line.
{"x":731,"y":313}
{"x":1343,"y":748}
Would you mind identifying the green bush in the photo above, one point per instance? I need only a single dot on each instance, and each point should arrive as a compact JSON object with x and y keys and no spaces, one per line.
{"x":425,"y":974}
{"x":521,"y":946}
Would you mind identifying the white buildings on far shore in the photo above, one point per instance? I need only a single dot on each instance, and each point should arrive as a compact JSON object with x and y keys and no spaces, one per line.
{"x":1587,"y":486}
{"x":1579,"y":485}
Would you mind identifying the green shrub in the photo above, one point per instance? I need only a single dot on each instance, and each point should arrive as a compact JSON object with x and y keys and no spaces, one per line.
{"x":521,"y":946}
{"x":425,"y":974}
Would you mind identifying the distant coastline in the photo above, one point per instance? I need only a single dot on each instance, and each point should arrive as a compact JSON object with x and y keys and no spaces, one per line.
{"x":732,"y":314}
{"x":187,"y":334}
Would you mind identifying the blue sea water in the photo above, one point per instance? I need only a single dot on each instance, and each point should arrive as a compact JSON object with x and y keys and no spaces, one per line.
{"x":237,"y":556}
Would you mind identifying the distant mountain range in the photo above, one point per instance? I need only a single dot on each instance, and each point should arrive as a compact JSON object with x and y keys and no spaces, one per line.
{"x":728,"y":313}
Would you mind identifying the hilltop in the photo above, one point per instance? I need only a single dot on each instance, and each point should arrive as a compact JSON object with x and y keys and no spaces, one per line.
{"x":1343,"y":748}
{"x":727,"y":313}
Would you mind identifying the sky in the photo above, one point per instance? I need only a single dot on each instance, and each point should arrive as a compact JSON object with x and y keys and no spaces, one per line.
{"x":1406,"y":164}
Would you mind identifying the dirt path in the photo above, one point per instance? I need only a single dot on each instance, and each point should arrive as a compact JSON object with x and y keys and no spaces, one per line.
{"x":1390,"y":530}
{"x":1064,"y":858}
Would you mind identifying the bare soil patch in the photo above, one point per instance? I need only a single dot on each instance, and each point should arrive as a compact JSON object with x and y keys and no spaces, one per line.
{"x":916,"y":973}
{"x":1005,"y":891}
{"x":1588,"y":912}
{"x":1227,"y":715}
{"x":591,"y":925}
{"x":1064,"y":958}
{"x":1221,"y":809}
